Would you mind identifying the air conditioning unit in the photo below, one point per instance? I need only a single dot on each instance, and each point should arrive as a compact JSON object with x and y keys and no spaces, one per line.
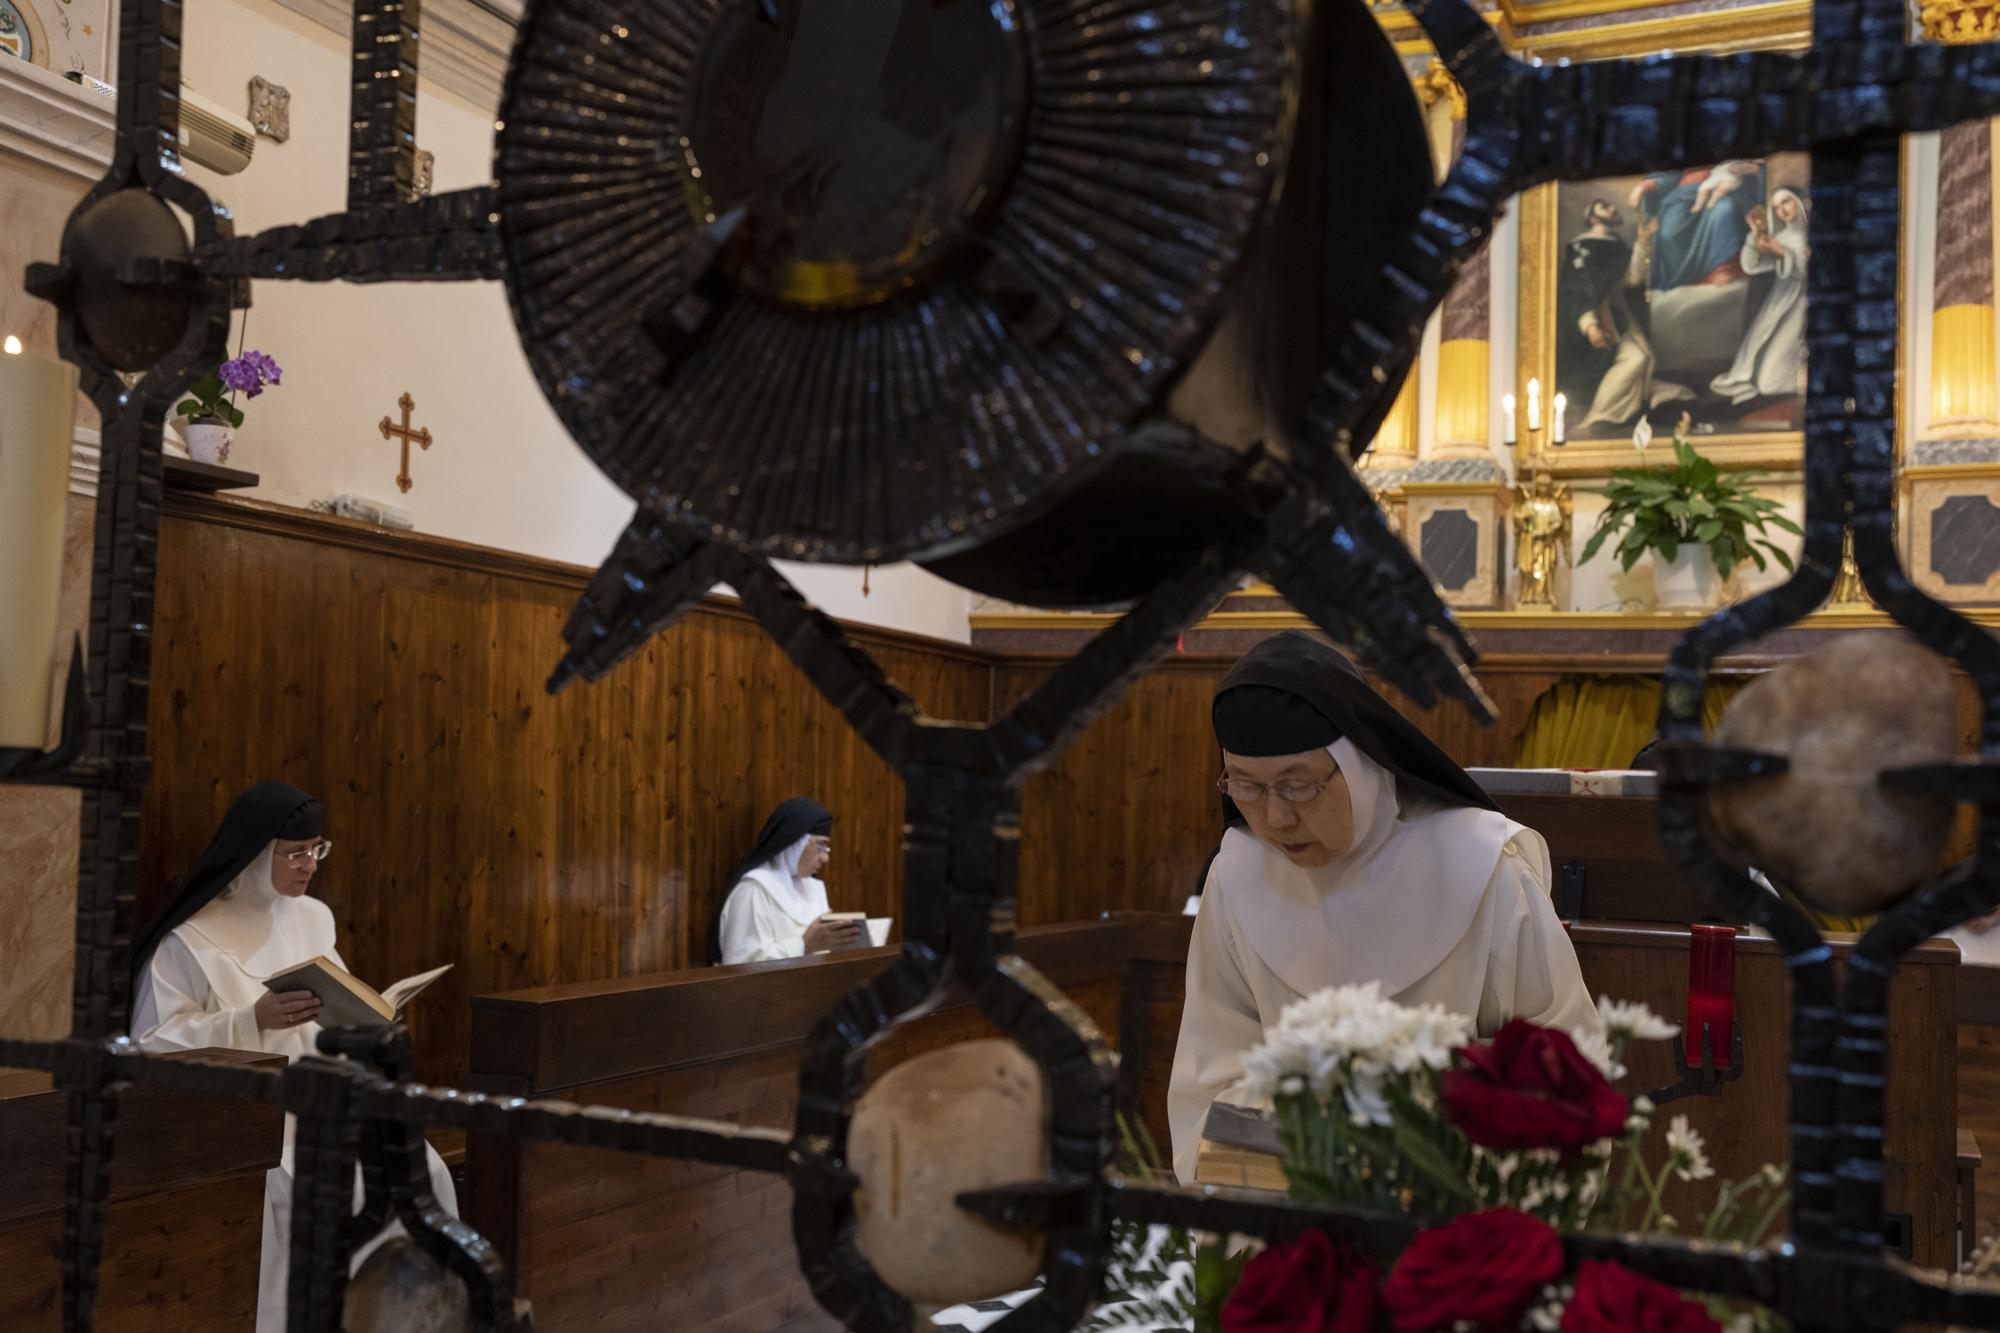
{"x":212,"y":137}
{"x":209,"y":135}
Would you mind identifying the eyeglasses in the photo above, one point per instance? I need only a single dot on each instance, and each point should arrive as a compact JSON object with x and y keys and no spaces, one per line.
{"x":1297,"y":791}
{"x":319,"y":851}
{"x":823,"y":844}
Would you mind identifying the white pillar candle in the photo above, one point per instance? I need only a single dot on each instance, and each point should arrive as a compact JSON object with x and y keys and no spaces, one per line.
{"x":1534,"y":405}
{"x":1562,"y":410}
{"x":1507,"y":417}
{"x":37,"y":416}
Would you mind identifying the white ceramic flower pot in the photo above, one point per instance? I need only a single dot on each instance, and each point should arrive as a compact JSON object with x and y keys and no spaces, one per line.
{"x":1687,"y":582}
{"x":208,"y":441}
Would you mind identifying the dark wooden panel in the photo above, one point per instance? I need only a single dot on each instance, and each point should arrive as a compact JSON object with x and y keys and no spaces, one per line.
{"x":170,"y":1139}
{"x":1156,"y":948}
{"x":1979,"y":1106}
{"x":1745,"y":1126}
{"x":174,"y":1261}
{"x":1616,"y":841}
{"x":186,"y":1207}
{"x":529,"y":840}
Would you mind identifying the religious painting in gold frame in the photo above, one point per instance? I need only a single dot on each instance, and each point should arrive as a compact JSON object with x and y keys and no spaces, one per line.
{"x":1644,"y":298}
{"x":1727,"y":427}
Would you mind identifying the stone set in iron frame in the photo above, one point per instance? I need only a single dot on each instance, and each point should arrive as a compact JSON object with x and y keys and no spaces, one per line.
{"x":142,"y":312}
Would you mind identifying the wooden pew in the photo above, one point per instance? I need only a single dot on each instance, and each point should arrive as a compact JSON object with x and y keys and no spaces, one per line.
{"x":1607,"y":860}
{"x":1745,"y":1125}
{"x":187,"y":1207}
{"x":1979,"y":1078}
{"x":608,"y":1241}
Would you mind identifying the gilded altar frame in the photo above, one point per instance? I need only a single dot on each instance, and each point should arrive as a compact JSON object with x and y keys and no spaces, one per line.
{"x":1780,"y":26}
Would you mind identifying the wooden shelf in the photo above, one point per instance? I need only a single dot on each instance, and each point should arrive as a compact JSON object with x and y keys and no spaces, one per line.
{"x":184,"y":474}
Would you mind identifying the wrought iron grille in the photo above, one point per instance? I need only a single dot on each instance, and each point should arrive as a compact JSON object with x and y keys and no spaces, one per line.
{"x":142,"y":310}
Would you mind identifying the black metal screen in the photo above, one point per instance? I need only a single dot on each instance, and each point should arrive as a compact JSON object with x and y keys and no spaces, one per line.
{"x":142,"y":312}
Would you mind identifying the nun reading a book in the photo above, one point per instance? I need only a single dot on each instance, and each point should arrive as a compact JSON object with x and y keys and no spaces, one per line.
{"x":200,"y":973}
{"x":1354,"y":851}
{"x":777,"y":905}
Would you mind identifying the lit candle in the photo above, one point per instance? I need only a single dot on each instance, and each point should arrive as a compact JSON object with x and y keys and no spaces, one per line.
{"x":1534,"y":405}
{"x":37,"y":416}
{"x":1507,"y":416}
{"x":1711,"y":992}
{"x":1562,"y":409}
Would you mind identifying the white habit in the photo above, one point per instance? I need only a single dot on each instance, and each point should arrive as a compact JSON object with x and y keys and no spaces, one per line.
{"x":1771,"y":361}
{"x":1446,"y":906}
{"x":766,"y":915}
{"x":200,"y":989}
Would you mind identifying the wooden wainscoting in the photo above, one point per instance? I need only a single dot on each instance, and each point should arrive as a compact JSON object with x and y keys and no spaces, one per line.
{"x":534,"y":841}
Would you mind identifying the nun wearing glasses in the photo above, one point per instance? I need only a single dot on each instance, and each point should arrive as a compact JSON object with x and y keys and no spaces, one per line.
{"x":1354,"y":851}
{"x":198,"y":979}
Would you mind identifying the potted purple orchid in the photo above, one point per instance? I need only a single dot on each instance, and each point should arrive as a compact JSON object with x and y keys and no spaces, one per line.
{"x":210,"y":408}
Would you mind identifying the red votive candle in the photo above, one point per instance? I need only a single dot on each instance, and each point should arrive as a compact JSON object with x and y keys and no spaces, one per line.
{"x":1711,"y":992}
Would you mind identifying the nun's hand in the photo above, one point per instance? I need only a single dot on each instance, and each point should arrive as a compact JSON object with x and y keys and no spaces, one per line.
{"x":280,"y":1009}
{"x":824,"y":935}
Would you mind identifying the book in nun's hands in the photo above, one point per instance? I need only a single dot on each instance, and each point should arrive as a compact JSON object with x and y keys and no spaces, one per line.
{"x":1240,"y":1147}
{"x":346,"y":1001}
{"x":1243,"y":1128}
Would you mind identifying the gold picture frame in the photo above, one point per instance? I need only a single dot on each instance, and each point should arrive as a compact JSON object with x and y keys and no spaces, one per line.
{"x":1722,"y":436}
{"x":1777,"y":26}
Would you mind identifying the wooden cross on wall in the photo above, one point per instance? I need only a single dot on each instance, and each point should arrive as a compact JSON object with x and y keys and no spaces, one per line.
{"x":422,"y":438}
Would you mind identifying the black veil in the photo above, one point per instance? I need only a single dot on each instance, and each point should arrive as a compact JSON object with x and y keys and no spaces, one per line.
{"x":257,"y":818}
{"x":1327,"y":696}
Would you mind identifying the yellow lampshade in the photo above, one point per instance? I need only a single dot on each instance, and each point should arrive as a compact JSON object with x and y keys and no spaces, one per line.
{"x":37,"y":417}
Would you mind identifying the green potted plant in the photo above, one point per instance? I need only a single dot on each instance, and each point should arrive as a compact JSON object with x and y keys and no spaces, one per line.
{"x":1699,"y":522}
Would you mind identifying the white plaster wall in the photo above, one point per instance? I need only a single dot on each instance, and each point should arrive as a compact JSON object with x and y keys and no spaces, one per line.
{"x":503,"y":472}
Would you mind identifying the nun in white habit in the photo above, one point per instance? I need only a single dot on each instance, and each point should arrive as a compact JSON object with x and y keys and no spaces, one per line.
{"x":199,"y":980}
{"x":1355,"y":851}
{"x":776,"y":906}
{"x":1771,"y":360}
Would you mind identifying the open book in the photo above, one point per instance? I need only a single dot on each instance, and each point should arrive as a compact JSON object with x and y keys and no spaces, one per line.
{"x":1240,"y":1147}
{"x":346,"y":1001}
{"x":1243,"y":1128}
{"x":878,"y":926}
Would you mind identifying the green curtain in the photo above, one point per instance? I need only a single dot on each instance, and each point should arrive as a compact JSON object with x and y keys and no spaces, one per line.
{"x":1603,"y":721}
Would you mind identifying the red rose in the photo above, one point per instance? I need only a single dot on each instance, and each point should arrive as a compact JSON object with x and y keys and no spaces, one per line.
{"x":1483,"y":1269}
{"x":1611,"y":1298}
{"x":1308,"y":1286}
{"x":1531,"y":1088}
